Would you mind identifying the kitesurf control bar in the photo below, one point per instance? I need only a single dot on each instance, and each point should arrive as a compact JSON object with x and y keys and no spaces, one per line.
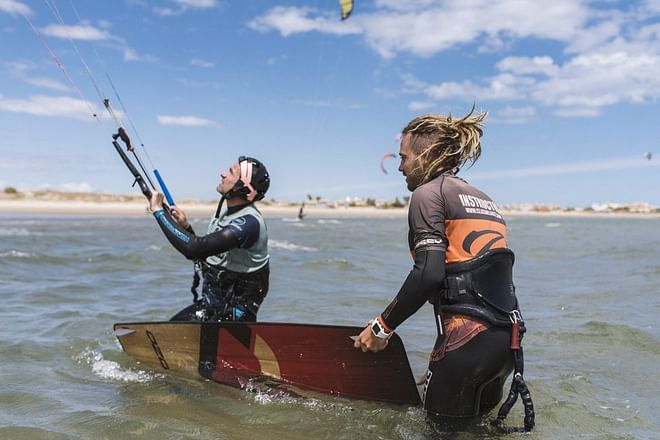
{"x":121,"y":134}
{"x":166,"y":192}
{"x":138,"y":177}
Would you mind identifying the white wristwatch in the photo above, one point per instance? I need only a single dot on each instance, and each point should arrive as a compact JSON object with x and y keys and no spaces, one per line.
{"x":378,"y":329}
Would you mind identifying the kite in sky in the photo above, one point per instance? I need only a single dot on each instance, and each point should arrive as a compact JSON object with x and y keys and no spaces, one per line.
{"x":382,"y":161}
{"x":346,"y":8}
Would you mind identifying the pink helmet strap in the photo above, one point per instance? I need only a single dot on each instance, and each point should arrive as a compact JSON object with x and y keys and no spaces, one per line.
{"x":246,"y":178}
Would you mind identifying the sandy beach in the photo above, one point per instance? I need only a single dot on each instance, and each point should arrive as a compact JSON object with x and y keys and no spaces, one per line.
{"x":192,"y":208}
{"x":106,"y":205}
{"x":75,"y":204}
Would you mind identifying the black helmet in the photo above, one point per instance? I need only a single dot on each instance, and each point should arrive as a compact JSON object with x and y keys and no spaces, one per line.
{"x":253,"y":182}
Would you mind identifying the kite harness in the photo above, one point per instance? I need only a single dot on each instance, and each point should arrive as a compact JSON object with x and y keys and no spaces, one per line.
{"x":483,"y":288}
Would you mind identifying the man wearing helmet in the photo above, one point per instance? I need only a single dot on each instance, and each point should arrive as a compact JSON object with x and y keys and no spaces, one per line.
{"x":232,"y":259}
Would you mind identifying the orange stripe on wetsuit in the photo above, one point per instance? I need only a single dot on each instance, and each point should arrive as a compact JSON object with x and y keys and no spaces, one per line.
{"x":469,"y":238}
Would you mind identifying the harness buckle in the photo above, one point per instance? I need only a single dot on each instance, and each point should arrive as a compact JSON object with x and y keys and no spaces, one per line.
{"x":515,"y":316}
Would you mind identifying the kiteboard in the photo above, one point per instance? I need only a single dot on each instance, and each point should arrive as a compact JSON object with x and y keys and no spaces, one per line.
{"x":320,"y":358}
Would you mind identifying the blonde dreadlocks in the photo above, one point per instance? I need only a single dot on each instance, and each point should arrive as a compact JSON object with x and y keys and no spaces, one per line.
{"x":443,"y":143}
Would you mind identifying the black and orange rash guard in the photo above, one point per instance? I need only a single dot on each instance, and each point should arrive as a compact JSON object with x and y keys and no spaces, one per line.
{"x":449,"y":221}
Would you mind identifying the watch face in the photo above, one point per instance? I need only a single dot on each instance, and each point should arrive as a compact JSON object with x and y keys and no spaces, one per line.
{"x":377,"y":330}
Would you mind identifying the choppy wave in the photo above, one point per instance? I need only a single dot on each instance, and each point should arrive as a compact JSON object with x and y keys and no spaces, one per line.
{"x":106,"y":369}
{"x":593,"y":344}
{"x":330,"y":263}
{"x":14,"y":232}
{"x":621,"y":334}
{"x":16,"y":254}
{"x":283,"y":244}
{"x":553,"y":225}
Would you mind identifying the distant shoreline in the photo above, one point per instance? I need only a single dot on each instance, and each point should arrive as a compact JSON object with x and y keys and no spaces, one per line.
{"x":136,"y":207}
{"x":205,"y":209}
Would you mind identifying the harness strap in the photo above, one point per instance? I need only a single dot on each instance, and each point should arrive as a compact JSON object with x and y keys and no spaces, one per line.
{"x":518,"y":385}
{"x":197,"y":277}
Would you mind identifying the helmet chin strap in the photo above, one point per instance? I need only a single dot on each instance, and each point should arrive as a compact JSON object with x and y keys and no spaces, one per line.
{"x":246,"y":178}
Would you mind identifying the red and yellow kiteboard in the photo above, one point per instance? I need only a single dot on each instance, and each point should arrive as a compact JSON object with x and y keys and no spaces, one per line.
{"x":312,"y":357}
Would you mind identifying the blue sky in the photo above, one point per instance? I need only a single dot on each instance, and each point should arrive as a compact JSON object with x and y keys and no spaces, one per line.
{"x":571,"y":88}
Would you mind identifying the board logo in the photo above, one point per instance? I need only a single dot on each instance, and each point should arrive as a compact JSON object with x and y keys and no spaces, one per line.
{"x":159,"y":353}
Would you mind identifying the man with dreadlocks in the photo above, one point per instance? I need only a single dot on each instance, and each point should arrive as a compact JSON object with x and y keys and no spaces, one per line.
{"x":232,"y":259}
{"x":462,"y":266}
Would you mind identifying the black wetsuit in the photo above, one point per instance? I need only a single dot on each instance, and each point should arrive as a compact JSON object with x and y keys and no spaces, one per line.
{"x":452,"y":222}
{"x":227,"y":294}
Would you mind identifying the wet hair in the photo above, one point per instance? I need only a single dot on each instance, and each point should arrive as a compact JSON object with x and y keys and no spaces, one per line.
{"x":443,"y":143}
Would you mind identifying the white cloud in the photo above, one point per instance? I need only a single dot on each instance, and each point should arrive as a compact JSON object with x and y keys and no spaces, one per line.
{"x":168,"y":12}
{"x":200,"y":4}
{"x":130,"y":54}
{"x":183,"y":6}
{"x":86,"y":32}
{"x":418,"y":106}
{"x":83,"y":32}
{"x":14,"y":7}
{"x":198,"y":84}
{"x":20,"y":69}
{"x":516,"y":115}
{"x":626,"y":69}
{"x":591,"y":37}
{"x":589,"y":82}
{"x":611,"y":51}
{"x":185,"y":121}
{"x":59,"y":106}
{"x":619,"y":163}
{"x":46,"y":83}
{"x":291,"y":20}
{"x":652,"y":5}
{"x":425,"y":28}
{"x":201,"y":63}
{"x":501,"y":87}
{"x":528,"y":65}
{"x":406,"y":5}
{"x":276,"y":59}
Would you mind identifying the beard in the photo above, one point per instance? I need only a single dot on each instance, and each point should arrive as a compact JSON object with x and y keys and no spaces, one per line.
{"x":414,"y":179}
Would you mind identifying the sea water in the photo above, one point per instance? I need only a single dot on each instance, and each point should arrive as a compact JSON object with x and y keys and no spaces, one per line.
{"x":588,"y":287}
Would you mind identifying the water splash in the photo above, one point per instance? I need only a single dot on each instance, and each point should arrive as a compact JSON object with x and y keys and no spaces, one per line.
{"x":283,"y":244}
{"x":106,"y":369}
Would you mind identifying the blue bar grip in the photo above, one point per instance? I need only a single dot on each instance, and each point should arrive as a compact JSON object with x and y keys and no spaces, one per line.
{"x":164,"y":188}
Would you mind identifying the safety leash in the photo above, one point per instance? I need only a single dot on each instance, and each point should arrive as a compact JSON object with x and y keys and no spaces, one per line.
{"x":518,"y":385}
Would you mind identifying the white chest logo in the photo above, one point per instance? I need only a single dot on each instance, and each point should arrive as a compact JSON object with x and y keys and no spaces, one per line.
{"x":239,"y":221}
